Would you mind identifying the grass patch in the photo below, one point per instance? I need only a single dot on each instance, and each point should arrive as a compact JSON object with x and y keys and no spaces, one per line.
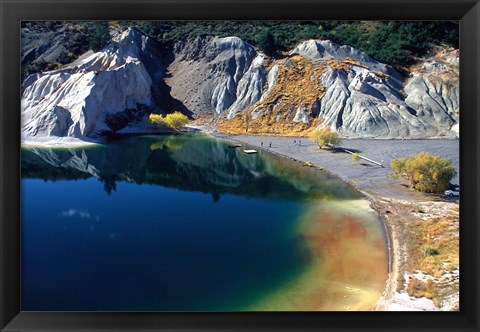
{"x":418,"y":288}
{"x":434,"y":247}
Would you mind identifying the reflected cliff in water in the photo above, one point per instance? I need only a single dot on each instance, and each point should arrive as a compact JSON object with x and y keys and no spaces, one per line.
{"x":188,"y":223}
{"x":192,"y":163}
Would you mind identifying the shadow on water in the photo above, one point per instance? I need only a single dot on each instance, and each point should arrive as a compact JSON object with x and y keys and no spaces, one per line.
{"x":186,"y":162}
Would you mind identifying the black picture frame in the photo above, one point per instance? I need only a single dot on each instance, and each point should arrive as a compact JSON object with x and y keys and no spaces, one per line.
{"x":14,"y":11}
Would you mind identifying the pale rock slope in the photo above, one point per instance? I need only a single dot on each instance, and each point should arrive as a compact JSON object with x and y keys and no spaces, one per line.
{"x":325,"y":49}
{"x":212,"y":75}
{"x":434,"y":91}
{"x":360,"y":97}
{"x":324,"y":84}
{"x":318,"y":84}
{"x":102,"y":92}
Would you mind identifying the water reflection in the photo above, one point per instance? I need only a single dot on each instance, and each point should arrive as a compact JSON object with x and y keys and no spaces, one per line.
{"x":270,"y":234}
{"x":193,"y":163}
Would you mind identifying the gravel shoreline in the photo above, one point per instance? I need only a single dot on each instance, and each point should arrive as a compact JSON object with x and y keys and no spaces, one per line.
{"x":372,"y":181}
{"x":369,"y":178}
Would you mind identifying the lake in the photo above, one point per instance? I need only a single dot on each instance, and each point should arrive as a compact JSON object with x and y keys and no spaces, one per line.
{"x":189,"y":223}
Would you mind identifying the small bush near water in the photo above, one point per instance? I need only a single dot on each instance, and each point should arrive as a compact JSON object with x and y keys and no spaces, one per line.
{"x":425,"y":172}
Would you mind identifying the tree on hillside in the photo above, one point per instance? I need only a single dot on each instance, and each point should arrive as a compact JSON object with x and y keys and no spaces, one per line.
{"x":266,"y":42}
{"x":99,"y":37}
{"x":325,"y":136}
{"x":425,"y":172}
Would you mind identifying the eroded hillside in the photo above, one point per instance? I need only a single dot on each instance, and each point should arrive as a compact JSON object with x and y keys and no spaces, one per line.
{"x":232,"y":85}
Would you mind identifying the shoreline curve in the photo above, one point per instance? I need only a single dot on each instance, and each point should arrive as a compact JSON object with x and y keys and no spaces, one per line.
{"x":375,"y":189}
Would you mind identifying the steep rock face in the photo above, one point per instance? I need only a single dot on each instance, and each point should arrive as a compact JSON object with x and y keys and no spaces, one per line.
{"x":367,"y":103}
{"x":354,"y":95}
{"x":433,"y":91}
{"x":250,"y":86}
{"x":289,"y":101}
{"x":206,"y":74}
{"x":82,"y":99}
{"x":361,"y":102}
{"x":325,"y":49}
{"x":318,"y":84}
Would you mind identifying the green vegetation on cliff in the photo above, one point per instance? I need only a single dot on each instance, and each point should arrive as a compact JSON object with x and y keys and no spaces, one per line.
{"x":397,"y":43}
{"x":392,"y":42}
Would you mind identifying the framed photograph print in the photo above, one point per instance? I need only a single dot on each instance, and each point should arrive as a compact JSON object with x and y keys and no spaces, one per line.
{"x":239,"y":165}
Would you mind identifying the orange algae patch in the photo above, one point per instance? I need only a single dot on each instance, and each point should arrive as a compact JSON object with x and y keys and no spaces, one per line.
{"x":349,"y":261}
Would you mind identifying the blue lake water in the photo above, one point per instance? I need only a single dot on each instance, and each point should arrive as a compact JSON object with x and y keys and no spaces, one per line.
{"x":174,"y":223}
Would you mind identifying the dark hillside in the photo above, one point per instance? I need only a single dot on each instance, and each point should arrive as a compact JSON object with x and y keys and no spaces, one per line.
{"x":48,"y":45}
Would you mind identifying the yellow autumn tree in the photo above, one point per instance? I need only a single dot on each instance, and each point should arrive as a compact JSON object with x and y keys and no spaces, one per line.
{"x":425,"y":172}
{"x":325,"y":136}
{"x":156,"y":120}
{"x":176,"y":120}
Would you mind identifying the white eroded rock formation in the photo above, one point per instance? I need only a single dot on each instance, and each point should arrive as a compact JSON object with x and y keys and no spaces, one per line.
{"x":369,"y":99}
{"x":98,"y":93}
{"x":353,"y":93}
{"x":207,"y":73}
{"x":225,"y":77}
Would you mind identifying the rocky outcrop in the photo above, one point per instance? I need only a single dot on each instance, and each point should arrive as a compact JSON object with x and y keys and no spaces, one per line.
{"x":318,"y":83}
{"x":207,"y":72}
{"x":364,"y":102}
{"x":78,"y":100}
{"x":250,"y":86}
{"x":324,"y":84}
{"x":433,"y":91}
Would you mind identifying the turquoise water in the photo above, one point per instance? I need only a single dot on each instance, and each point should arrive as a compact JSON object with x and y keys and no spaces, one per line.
{"x":164,"y":223}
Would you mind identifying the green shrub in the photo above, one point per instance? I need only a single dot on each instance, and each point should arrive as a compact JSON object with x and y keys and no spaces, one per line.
{"x":266,"y":42}
{"x":426,"y":173}
{"x":430,"y":251}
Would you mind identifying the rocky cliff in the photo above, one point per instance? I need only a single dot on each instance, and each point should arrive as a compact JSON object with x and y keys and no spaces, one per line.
{"x":103,"y":91}
{"x":318,"y":83}
{"x":209,"y":75}
{"x":323,"y":84}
